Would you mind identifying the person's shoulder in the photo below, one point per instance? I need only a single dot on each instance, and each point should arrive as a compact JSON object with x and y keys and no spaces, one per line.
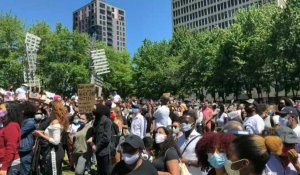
{"x":171,"y":152}
{"x":13,"y":125}
{"x":118,"y":168}
{"x":29,"y":121}
{"x":148,"y":166}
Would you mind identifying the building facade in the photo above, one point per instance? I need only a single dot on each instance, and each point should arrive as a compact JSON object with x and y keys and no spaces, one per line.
{"x":207,"y":14}
{"x":102,"y":21}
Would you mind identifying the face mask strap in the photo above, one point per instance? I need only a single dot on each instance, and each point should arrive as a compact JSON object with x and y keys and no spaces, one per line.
{"x":237,"y":162}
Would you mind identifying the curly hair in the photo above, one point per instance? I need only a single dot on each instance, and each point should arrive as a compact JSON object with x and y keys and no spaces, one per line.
{"x":60,"y":114}
{"x":208,"y":143}
{"x":170,"y":142}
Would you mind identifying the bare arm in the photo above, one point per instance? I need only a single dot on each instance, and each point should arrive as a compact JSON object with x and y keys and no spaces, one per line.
{"x":173,"y":167}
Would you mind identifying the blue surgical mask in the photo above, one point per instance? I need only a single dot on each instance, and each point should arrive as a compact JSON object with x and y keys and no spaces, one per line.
{"x":186,"y":127}
{"x":75,"y":121}
{"x":216,"y":160}
{"x":134,"y":110}
{"x":130,"y":159}
{"x":270,"y":113}
{"x":176,"y":130}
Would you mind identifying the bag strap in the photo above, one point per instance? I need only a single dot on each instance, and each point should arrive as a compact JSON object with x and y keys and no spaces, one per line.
{"x":189,"y":144}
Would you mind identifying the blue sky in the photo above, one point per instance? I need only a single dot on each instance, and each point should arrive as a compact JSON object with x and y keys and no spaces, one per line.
{"x":145,"y":18}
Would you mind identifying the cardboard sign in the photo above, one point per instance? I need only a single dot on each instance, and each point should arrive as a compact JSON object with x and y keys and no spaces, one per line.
{"x":86,"y":98}
{"x":235,"y":114}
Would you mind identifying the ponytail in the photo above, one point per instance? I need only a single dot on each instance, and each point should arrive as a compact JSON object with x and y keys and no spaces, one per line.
{"x":274,"y":144}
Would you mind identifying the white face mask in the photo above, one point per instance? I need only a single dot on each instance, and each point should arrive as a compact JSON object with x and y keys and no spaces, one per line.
{"x":39,"y":116}
{"x":176,"y":130}
{"x":159,"y":138}
{"x":229,"y":170}
{"x":130,"y":159}
{"x":186,"y":127}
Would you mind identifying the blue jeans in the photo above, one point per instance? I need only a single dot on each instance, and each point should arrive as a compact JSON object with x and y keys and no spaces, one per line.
{"x":26,"y":160}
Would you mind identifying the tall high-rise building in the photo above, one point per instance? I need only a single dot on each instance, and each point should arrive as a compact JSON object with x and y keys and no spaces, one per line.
{"x":207,"y":14}
{"x":103,"y":21}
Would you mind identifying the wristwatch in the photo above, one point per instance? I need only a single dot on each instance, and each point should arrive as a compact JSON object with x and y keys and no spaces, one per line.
{"x":189,"y":163}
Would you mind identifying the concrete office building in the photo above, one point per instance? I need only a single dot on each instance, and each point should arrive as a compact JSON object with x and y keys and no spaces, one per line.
{"x":207,"y":14}
{"x":103,"y":21}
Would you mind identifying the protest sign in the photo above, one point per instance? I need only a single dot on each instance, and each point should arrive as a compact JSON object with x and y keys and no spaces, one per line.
{"x":86,"y":98}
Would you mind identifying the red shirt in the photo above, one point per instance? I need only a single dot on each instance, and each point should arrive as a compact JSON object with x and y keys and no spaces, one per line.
{"x":10,"y":136}
{"x":207,"y":112}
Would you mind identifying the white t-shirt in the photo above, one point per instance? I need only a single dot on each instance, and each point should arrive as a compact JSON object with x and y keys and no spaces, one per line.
{"x":162,"y":117}
{"x":21,"y":94}
{"x":138,"y":126}
{"x":190,"y":152}
{"x":297,"y":131}
{"x":254,"y":124}
{"x":221,"y":119}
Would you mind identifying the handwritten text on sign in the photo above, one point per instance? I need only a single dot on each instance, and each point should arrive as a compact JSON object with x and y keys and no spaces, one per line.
{"x":86,"y":97}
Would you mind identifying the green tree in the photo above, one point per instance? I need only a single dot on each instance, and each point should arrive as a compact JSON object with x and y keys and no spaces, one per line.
{"x":155,"y":70}
{"x":63,"y":58}
{"x":11,"y":50}
{"x":120,"y":76}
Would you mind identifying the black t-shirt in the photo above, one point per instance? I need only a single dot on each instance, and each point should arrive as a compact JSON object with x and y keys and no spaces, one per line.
{"x":146,"y":168}
{"x":160,"y":163}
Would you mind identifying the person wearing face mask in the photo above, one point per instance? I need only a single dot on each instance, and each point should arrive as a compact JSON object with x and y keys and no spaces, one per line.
{"x":176,"y":129}
{"x":132,"y":162}
{"x":81,"y":152}
{"x":27,"y":141}
{"x":287,"y":160}
{"x":166,"y":154}
{"x":187,"y":143}
{"x":139,"y":123}
{"x":211,"y":152}
{"x":101,"y":143}
{"x":10,"y":137}
{"x":248,"y":155}
{"x":74,"y":126}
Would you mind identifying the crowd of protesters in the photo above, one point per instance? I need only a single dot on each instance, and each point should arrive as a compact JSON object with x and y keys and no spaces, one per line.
{"x":140,"y":136}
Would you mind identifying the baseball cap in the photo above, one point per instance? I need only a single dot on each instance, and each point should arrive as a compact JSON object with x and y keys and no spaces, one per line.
{"x":134,"y":141}
{"x":288,"y":110}
{"x":136,"y":106}
{"x":251,"y":101}
{"x":287,"y":135}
